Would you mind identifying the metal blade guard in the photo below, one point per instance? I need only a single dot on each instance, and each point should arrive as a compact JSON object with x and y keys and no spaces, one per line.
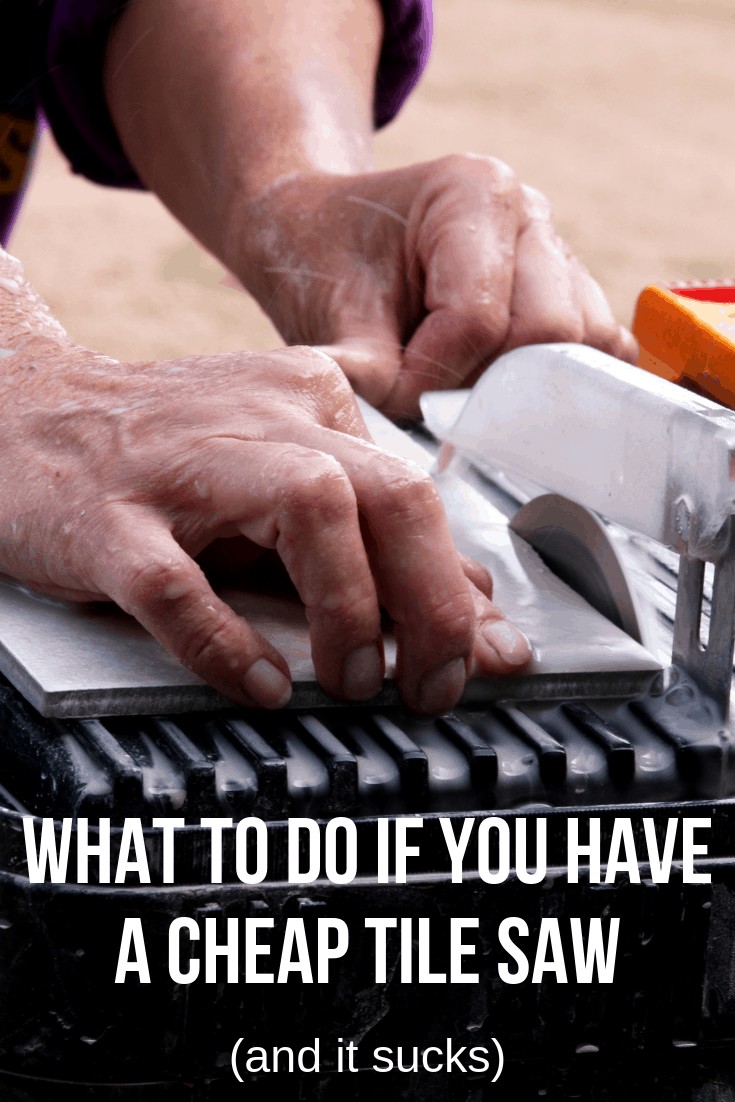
{"x":639,"y":450}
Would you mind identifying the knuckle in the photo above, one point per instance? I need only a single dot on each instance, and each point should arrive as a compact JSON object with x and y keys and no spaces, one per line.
{"x":479,"y":162}
{"x":486,"y":327}
{"x":150,"y":582}
{"x":405,"y":491}
{"x":312,"y":364}
{"x":352,"y":613}
{"x":315,"y":358}
{"x":204,"y":648}
{"x":321,"y":489}
{"x":451,"y":620}
{"x":478,"y":574}
{"x":491,"y":173}
{"x":535,"y":203}
{"x":501,"y":175}
{"x":566,"y":328}
{"x":605,"y":337}
{"x":451,"y":165}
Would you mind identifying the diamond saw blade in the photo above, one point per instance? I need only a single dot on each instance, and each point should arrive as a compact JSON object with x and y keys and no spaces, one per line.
{"x":575,"y":544}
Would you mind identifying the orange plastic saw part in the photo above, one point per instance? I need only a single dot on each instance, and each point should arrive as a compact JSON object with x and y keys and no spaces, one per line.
{"x":686,"y":333}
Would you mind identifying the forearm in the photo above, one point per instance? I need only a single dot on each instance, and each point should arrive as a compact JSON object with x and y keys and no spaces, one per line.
{"x":255,"y":130}
{"x":215,"y":102}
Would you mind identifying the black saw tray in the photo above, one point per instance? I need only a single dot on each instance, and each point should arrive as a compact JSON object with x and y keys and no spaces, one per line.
{"x":670,"y":1013}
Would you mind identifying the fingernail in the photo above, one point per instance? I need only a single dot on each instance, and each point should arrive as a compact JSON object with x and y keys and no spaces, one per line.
{"x":362,"y":673}
{"x":266,"y":684}
{"x":508,"y":642}
{"x":442,"y":687}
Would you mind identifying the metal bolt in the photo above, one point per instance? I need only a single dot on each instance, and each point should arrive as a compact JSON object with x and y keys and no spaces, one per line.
{"x":682,"y":518}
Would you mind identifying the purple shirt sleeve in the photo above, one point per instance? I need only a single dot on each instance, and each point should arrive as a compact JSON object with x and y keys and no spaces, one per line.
{"x":74,"y":103}
{"x":404,"y":54}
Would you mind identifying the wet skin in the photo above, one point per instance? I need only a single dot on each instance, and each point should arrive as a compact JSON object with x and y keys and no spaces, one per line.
{"x":257,"y":134}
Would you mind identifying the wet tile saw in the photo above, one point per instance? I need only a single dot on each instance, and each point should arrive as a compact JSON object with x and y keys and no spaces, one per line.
{"x":602,"y":498}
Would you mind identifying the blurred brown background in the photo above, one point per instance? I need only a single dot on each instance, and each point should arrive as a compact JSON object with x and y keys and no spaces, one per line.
{"x":620,"y":110}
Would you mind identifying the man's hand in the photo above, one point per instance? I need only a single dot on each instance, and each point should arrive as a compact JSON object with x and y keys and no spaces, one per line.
{"x":255,"y":130}
{"x":116,"y":476}
{"x":416,"y":279}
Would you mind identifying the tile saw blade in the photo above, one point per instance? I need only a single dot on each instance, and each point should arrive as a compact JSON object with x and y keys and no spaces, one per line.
{"x":575,"y":543}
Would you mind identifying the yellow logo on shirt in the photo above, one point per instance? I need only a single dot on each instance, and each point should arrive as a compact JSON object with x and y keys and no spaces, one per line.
{"x":16,"y":140}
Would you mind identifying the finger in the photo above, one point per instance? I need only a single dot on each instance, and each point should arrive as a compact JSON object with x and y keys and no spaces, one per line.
{"x":479,"y":576}
{"x":149,"y":575}
{"x":500,"y":647}
{"x":371,"y":360}
{"x":361,"y":333}
{"x":417,"y":592}
{"x":629,"y":347}
{"x":419,"y":575}
{"x":601,"y":330}
{"x":545,"y":304}
{"x":447,"y":348}
{"x":464,"y":232}
{"x":300,"y":502}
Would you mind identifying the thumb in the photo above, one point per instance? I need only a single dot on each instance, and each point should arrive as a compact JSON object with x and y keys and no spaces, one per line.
{"x":370,"y":354}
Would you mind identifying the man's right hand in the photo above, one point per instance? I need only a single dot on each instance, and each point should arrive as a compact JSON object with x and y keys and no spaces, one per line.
{"x":116,"y":476}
